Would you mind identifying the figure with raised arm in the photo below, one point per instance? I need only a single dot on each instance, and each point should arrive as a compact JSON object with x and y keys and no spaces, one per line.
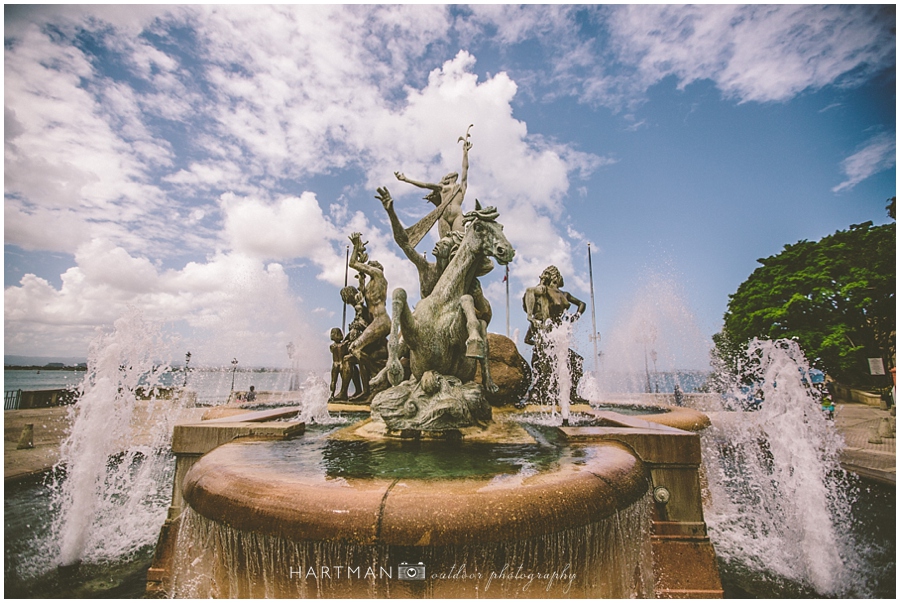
{"x":349,"y":367}
{"x":430,"y":272}
{"x":447,"y":194}
{"x":379,"y":326}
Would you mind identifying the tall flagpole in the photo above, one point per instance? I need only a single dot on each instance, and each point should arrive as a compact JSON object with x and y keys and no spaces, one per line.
{"x":346,"y":274}
{"x":594,"y":335}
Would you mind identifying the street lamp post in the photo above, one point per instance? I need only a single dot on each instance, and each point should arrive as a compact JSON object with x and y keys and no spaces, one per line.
{"x":647,"y":370}
{"x":187,"y":363}
{"x":595,"y":336}
{"x":234,"y":364}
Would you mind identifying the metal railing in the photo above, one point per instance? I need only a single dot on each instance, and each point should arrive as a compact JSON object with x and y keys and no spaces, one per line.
{"x":11,"y":399}
{"x":26,"y":399}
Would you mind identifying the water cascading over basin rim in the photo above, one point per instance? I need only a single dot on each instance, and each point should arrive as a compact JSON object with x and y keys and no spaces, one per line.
{"x":412,"y":512}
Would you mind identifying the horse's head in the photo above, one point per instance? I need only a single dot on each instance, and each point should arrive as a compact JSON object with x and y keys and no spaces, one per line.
{"x":488,"y":233}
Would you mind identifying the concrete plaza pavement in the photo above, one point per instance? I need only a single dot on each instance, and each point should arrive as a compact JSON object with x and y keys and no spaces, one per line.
{"x":862,"y":453}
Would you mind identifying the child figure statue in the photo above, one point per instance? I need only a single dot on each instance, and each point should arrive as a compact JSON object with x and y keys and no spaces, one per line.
{"x":338,"y":351}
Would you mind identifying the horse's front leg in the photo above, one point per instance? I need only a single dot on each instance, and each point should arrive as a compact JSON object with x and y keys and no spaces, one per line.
{"x":401,"y":321}
{"x":477,"y":343}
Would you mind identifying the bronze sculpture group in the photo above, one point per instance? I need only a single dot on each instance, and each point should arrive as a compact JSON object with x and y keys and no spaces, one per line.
{"x":361,"y":353}
{"x":421,"y":363}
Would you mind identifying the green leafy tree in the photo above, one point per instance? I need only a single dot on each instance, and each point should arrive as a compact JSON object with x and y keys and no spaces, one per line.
{"x":836,"y":296}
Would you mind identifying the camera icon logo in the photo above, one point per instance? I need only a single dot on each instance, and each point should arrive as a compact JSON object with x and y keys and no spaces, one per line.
{"x":408,"y":571}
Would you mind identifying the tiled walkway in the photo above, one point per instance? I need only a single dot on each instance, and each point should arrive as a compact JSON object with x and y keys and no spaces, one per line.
{"x":859,"y":423}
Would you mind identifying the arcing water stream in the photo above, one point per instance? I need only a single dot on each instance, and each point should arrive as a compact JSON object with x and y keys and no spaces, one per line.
{"x":780,"y":505}
{"x":107,"y":495}
{"x":782,"y":514}
{"x":104,"y":503}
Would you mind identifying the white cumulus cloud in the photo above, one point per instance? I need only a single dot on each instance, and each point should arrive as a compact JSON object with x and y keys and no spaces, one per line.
{"x":879,"y":153}
{"x":757,"y":53}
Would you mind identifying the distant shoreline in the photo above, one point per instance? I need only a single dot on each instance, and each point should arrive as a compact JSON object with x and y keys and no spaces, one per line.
{"x":10,"y":367}
{"x":35,"y":367}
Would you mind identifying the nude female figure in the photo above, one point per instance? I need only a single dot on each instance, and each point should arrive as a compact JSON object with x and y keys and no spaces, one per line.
{"x":447,"y":192}
{"x":547,"y":302}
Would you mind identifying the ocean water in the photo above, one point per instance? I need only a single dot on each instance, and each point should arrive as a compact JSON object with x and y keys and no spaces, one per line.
{"x":210,"y":382}
{"x":38,"y":380}
{"x":212,"y":385}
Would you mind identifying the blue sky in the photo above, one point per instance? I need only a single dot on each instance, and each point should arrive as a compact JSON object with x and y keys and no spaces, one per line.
{"x":205,"y":164}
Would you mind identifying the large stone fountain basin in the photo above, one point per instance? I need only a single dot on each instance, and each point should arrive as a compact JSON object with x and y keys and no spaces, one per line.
{"x":232,"y":486}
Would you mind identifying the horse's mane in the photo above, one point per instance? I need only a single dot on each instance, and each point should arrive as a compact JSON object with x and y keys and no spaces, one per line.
{"x":487,"y":214}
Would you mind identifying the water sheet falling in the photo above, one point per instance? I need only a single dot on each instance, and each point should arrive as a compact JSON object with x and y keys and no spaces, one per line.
{"x":606,"y":559}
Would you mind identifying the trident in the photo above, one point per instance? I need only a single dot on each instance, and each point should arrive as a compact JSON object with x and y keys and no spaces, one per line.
{"x":466,"y":137}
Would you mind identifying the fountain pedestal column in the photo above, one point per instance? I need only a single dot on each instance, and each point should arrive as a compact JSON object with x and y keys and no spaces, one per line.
{"x":684,"y":561}
{"x":189,"y":443}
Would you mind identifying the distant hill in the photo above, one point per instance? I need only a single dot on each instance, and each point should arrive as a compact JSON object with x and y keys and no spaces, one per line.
{"x":11,"y":360}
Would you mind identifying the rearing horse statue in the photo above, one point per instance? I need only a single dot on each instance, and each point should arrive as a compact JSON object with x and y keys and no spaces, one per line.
{"x":443,"y":333}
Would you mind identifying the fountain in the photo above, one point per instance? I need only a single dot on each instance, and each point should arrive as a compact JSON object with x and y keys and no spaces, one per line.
{"x":324,"y":500}
{"x":270,"y":514}
{"x":654,"y":334}
{"x":98,"y":498}
{"x":433,"y":492}
{"x":774,"y":473}
{"x":433,"y":485}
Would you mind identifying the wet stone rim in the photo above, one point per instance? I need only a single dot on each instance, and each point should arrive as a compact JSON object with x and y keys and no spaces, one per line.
{"x":412,"y":512}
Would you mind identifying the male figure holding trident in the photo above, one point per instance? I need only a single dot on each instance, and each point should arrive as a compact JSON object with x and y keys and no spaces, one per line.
{"x":375,"y":294}
{"x":447,"y":195}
